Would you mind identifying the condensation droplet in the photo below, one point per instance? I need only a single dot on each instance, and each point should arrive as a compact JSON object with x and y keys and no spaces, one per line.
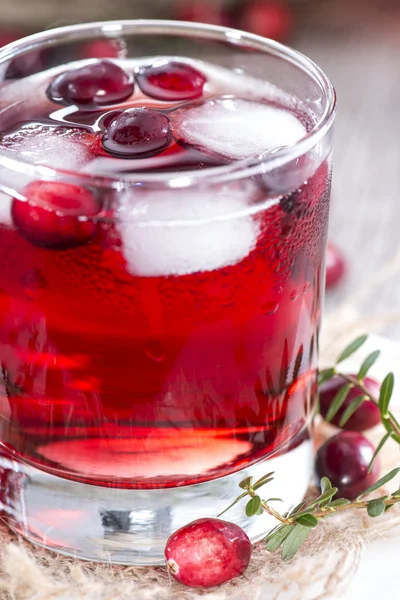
{"x":154,"y":351}
{"x":294,"y":295}
{"x":269,"y":308}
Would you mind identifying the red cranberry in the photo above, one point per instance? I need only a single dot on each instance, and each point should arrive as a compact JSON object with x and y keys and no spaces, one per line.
{"x":96,"y":84}
{"x":344,"y":459}
{"x":207,"y":552}
{"x":171,"y":81}
{"x":137,"y":132}
{"x":365,"y":417}
{"x":55,"y":215}
{"x":8,"y":38}
{"x":269,"y":19}
{"x":335,"y":266}
{"x":200,"y":12}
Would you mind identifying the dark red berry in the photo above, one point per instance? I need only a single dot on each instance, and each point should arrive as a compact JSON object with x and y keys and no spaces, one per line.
{"x":344,"y":459}
{"x":8,"y":38}
{"x":365,"y":417}
{"x":335,"y":266}
{"x":171,"y":81}
{"x":96,"y":84}
{"x":269,"y":19}
{"x":137,"y":133}
{"x":200,"y":12}
{"x":207,"y":552}
{"x":55,"y":215}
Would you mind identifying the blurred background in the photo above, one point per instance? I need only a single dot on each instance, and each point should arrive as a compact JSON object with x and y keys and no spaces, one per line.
{"x":357,"y":43}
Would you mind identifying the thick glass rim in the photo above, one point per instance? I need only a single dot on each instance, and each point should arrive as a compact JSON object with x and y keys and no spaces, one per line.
{"x":217,"y":175}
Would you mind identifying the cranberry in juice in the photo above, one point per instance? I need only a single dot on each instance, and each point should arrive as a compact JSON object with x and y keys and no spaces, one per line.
{"x":149,"y":336}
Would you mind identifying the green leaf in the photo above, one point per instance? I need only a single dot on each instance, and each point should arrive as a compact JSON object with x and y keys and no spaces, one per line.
{"x":325,"y":375}
{"x":351,"y":348}
{"x":307,"y":520}
{"x":379,"y":447}
{"x":338,"y":401}
{"x":325,"y":485}
{"x":256,"y":486}
{"x":294,"y":541}
{"x":375,"y":508}
{"x":276,"y":538}
{"x":264,"y":479}
{"x":246,"y":483}
{"x":389,"y":428}
{"x":380,"y":482}
{"x":300,"y":506}
{"x":339,"y":502}
{"x":388,"y":507}
{"x":273,"y":500}
{"x":326,"y":496}
{"x":351,"y":409}
{"x":367,"y":364}
{"x":385,"y":394}
{"x":253,"y":506}
{"x":233,"y":503}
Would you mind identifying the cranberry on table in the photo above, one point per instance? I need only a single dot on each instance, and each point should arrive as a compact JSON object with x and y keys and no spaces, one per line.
{"x":367,"y":414}
{"x":96,"y":84}
{"x":207,"y":552}
{"x":55,"y":215}
{"x":171,"y":81}
{"x":269,"y":19}
{"x":345,"y":459}
{"x":200,"y":12}
{"x":137,"y":133}
{"x":335,"y":266}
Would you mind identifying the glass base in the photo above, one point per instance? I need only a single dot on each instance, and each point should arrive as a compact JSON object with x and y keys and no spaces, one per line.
{"x":131,"y":527}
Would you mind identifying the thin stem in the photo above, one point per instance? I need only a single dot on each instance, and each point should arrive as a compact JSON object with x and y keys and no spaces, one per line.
{"x":391,"y":419}
{"x":319,"y":514}
{"x":268,"y":508}
{"x":363,"y":504}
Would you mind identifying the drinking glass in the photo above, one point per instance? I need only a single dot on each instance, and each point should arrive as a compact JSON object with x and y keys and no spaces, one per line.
{"x":146,"y":373}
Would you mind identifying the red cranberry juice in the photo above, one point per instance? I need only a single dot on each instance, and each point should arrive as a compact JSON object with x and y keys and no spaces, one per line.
{"x":162,"y":352}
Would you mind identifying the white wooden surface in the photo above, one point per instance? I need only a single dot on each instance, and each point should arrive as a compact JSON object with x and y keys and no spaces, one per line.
{"x":365,"y":217}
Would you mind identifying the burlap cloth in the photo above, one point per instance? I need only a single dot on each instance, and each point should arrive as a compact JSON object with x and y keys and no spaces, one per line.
{"x":321,"y":570}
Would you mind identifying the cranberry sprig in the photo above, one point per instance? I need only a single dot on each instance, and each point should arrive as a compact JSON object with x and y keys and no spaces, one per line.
{"x":295,"y":526}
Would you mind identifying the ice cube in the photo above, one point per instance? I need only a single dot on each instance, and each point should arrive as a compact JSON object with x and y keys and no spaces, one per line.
{"x":236,"y":128}
{"x":57,"y":147}
{"x":5,"y":209}
{"x":177,"y":232}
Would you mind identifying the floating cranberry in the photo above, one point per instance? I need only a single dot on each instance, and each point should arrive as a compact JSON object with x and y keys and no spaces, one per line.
{"x":335,"y":266}
{"x":55,"y":215}
{"x":367,"y":414}
{"x":344,"y":459}
{"x":96,"y":84}
{"x":171,"y":81}
{"x":207,"y":552}
{"x":137,"y":133}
